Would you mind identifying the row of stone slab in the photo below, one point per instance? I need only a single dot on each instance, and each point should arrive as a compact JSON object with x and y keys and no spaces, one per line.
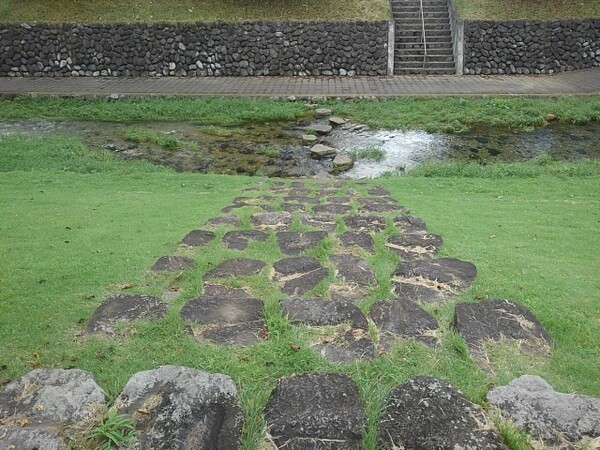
{"x":181,"y":408}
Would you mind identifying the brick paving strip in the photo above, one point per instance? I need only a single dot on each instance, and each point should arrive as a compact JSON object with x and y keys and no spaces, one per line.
{"x":582,"y":82}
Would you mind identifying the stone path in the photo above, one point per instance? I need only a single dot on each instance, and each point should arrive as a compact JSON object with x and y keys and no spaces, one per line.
{"x":326,"y":263}
{"x":583,"y":82}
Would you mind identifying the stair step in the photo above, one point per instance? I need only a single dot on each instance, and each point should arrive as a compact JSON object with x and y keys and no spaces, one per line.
{"x":415,"y":60}
{"x":424,"y":72}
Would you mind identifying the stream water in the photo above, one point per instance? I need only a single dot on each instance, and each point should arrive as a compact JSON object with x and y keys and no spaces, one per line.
{"x":276,"y":149}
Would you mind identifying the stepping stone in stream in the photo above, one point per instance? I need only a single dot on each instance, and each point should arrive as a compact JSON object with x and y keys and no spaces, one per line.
{"x":318,"y":312}
{"x":173,"y":264}
{"x":322,"y":221}
{"x":294,"y":242}
{"x":309,"y":138}
{"x":180,"y":408}
{"x":415,"y":245}
{"x":410,"y":224}
{"x":198,"y":238}
{"x":239,"y":240}
{"x":276,"y":220}
{"x":358,"y":239}
{"x":336,"y":121}
{"x":397,"y":319}
{"x":498,"y":320}
{"x":332,"y":208}
{"x":432,"y":280}
{"x":427,"y":413}
{"x":353,"y":269}
{"x":380,"y":204}
{"x":237,"y":267}
{"x":350,"y":346}
{"x":319,"y":151}
{"x":321,"y":113}
{"x":371,"y":224}
{"x":124,"y":308}
{"x":225,"y":320}
{"x":341,"y":163}
{"x":317,"y":411}
{"x":320,"y":129}
{"x":225,"y":219}
{"x":296,"y":276}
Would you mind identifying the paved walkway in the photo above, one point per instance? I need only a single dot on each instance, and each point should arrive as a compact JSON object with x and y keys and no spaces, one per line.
{"x":583,"y":82}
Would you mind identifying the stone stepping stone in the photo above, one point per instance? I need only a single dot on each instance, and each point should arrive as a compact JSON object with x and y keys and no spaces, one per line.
{"x":229,"y":320}
{"x":379,"y":191}
{"x":432,"y":280}
{"x":226,"y":219}
{"x":309,"y":138}
{"x":316,"y":411}
{"x":173,"y":264}
{"x":321,"y":113}
{"x":327,"y":191}
{"x":353,"y":269}
{"x":218,"y":290}
{"x":427,"y":413}
{"x":175,"y":407}
{"x":371,"y":224}
{"x":380,"y":204}
{"x":237,"y":267}
{"x":322,"y":221}
{"x":399,"y":319}
{"x":346,"y":292}
{"x":301,"y":199}
{"x":341,"y":163}
{"x":124,"y":308}
{"x":37,"y":409}
{"x":293,"y":207}
{"x":295,"y":242}
{"x":339,"y":200}
{"x":298,"y":275}
{"x":358,"y":239}
{"x":198,"y":238}
{"x":319,"y":151}
{"x":531,"y":403}
{"x":410,"y":224}
{"x":353,"y":345}
{"x":318,"y":312}
{"x":239,"y":240}
{"x":319,"y":129}
{"x":498,"y":320}
{"x":274,"y":220}
{"x":336,"y":121}
{"x":332,"y":208}
{"x":298,"y":192}
{"x":415,"y":245}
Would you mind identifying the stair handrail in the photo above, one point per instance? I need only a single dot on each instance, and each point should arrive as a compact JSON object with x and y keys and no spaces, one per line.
{"x":422,"y":13}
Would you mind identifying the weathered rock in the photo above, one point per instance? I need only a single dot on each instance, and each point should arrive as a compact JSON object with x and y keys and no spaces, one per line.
{"x":236,"y":267}
{"x":321,"y":113}
{"x":341,"y":163}
{"x":226,"y":219}
{"x":319,"y":312}
{"x":372,"y":224}
{"x":295,"y":242}
{"x":332,"y":208}
{"x":293,"y":207}
{"x":309,"y":138}
{"x":173,"y":264}
{"x":322,"y":151}
{"x":182,"y":408}
{"x":415,"y":245}
{"x":346,"y":292}
{"x":359,"y":239}
{"x":350,"y":346}
{"x":426,"y":413}
{"x":380,"y":204}
{"x":31,"y":438}
{"x":396,"y":319}
{"x":336,"y":121}
{"x":379,"y":191}
{"x":320,"y":129}
{"x":124,"y":308}
{"x":198,"y":238}
{"x":316,"y":411}
{"x":531,"y":403}
{"x":277,"y":220}
{"x":301,"y":199}
{"x":322,"y":221}
{"x":296,"y":276}
{"x":338,"y":200}
{"x":353,"y":269}
{"x":239,"y":240}
{"x":218,"y":290}
{"x":410,"y":224}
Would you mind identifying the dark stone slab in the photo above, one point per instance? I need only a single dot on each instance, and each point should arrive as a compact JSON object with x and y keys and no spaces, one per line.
{"x":124,"y":308}
{"x":319,"y":312}
{"x":498,"y":320}
{"x":410,"y":224}
{"x":358,"y":239}
{"x":346,"y":292}
{"x":371,"y":224}
{"x":332,"y":208}
{"x":236,"y":267}
{"x":415,"y":245}
{"x":277,"y":220}
{"x":198,"y":238}
{"x":339,"y":200}
{"x":353,"y":269}
{"x":296,"y":276}
{"x":239,"y":240}
{"x":321,"y":411}
{"x":293,"y":207}
{"x":378,"y":191}
{"x":301,"y":199}
{"x":295,"y":242}
{"x":226,"y":219}
{"x":218,"y":290}
{"x":531,"y":403}
{"x":426,"y":413}
{"x":298,"y":192}
{"x":239,"y":335}
{"x":323,"y":222}
{"x":353,"y":345}
{"x":404,"y":319}
{"x":179,"y":408}
{"x":173,"y":264}
{"x":380,"y":204}
{"x":432,"y":280}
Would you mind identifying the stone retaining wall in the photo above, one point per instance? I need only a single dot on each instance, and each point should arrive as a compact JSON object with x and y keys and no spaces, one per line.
{"x":221,"y":49}
{"x":524,"y":47}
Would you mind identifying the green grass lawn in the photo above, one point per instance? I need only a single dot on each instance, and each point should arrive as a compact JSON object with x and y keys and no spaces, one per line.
{"x":527,"y":9}
{"x":78,"y":227}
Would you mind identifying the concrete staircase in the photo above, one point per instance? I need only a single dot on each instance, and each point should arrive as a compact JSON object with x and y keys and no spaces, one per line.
{"x":423,"y":42}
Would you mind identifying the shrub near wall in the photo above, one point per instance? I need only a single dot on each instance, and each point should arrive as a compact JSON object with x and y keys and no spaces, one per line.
{"x":523,"y":47}
{"x":234,"y":49}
